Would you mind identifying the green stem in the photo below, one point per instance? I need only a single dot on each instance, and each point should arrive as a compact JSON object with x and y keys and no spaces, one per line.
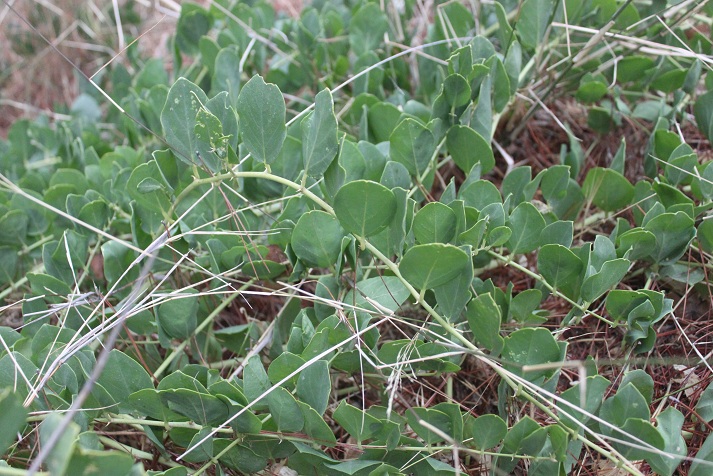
{"x":214,"y":459}
{"x":258,"y":175}
{"x":126,"y":420}
{"x":135,"y":453}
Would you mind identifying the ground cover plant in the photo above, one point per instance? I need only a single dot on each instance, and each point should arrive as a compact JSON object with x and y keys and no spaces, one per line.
{"x":372,"y":238}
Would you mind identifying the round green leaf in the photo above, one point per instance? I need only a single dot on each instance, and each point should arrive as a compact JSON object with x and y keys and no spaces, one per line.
{"x":467,"y":147}
{"x":434,"y":223}
{"x":531,"y":346}
{"x":456,"y":90}
{"x":178,"y":316}
{"x":364,"y":207}
{"x":317,"y":239}
{"x":608,"y":189}
{"x":486,"y":431}
{"x":431,"y":265}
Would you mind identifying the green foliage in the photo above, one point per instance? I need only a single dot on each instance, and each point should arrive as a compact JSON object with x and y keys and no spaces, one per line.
{"x":309,"y":230}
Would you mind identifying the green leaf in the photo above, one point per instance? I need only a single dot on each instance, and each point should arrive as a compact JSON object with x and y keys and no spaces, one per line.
{"x":178,"y":118}
{"x":533,"y":21}
{"x":317,"y":239}
{"x":453,"y":296}
{"x":486,"y":431}
{"x":558,"y":233}
{"x":526,"y":223}
{"x":227,"y":74}
{"x":285,"y":410}
{"x":123,"y":376}
{"x":669,"y":81}
{"x":498,"y":236}
{"x":383,"y":118}
{"x":319,"y":136}
{"x":12,"y":417}
{"x":256,"y":381}
{"x":431,"y":265}
{"x":412,"y":144}
{"x":608,"y":189}
{"x":481,"y":119}
{"x":284,"y":365}
{"x":238,"y":457}
{"x":316,"y":428}
{"x":58,"y":458}
{"x":178,"y":317}
{"x":484,"y":319}
{"x":149,"y":184}
{"x":627,"y":403}
{"x":704,"y":407}
{"x":703,"y":111}
{"x":314,"y":386}
{"x":117,"y":259}
{"x":531,"y":346}
{"x":701,"y":466}
{"x":705,"y":235}
{"x":642,"y":430}
{"x":633,"y":68}
{"x":516,"y":185}
{"x":364,"y":207}
{"x":467,"y":148}
{"x":636,"y":243}
{"x":148,"y":402}
{"x":367,"y":28}
{"x":360,"y":425}
{"x":262,"y":118}
{"x":673,"y":233}
{"x":193,"y":23}
{"x":434,"y":223}
{"x":611,"y":274}
{"x":211,"y":144}
{"x":387,"y":291}
{"x":456,"y":90}
{"x":10,"y":376}
{"x":561,"y":268}
{"x":526,"y":437}
{"x":202,"y":408}
{"x":669,"y":424}
{"x":432,"y":417}
{"x":592,"y":91}
{"x":200,"y":451}
{"x":643,"y":382}
{"x":525,"y":303}
{"x":152,"y":202}
{"x":587,"y":396}
{"x":480,"y":194}
{"x":13,"y":227}
{"x":505,"y":31}
{"x":8,"y":264}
